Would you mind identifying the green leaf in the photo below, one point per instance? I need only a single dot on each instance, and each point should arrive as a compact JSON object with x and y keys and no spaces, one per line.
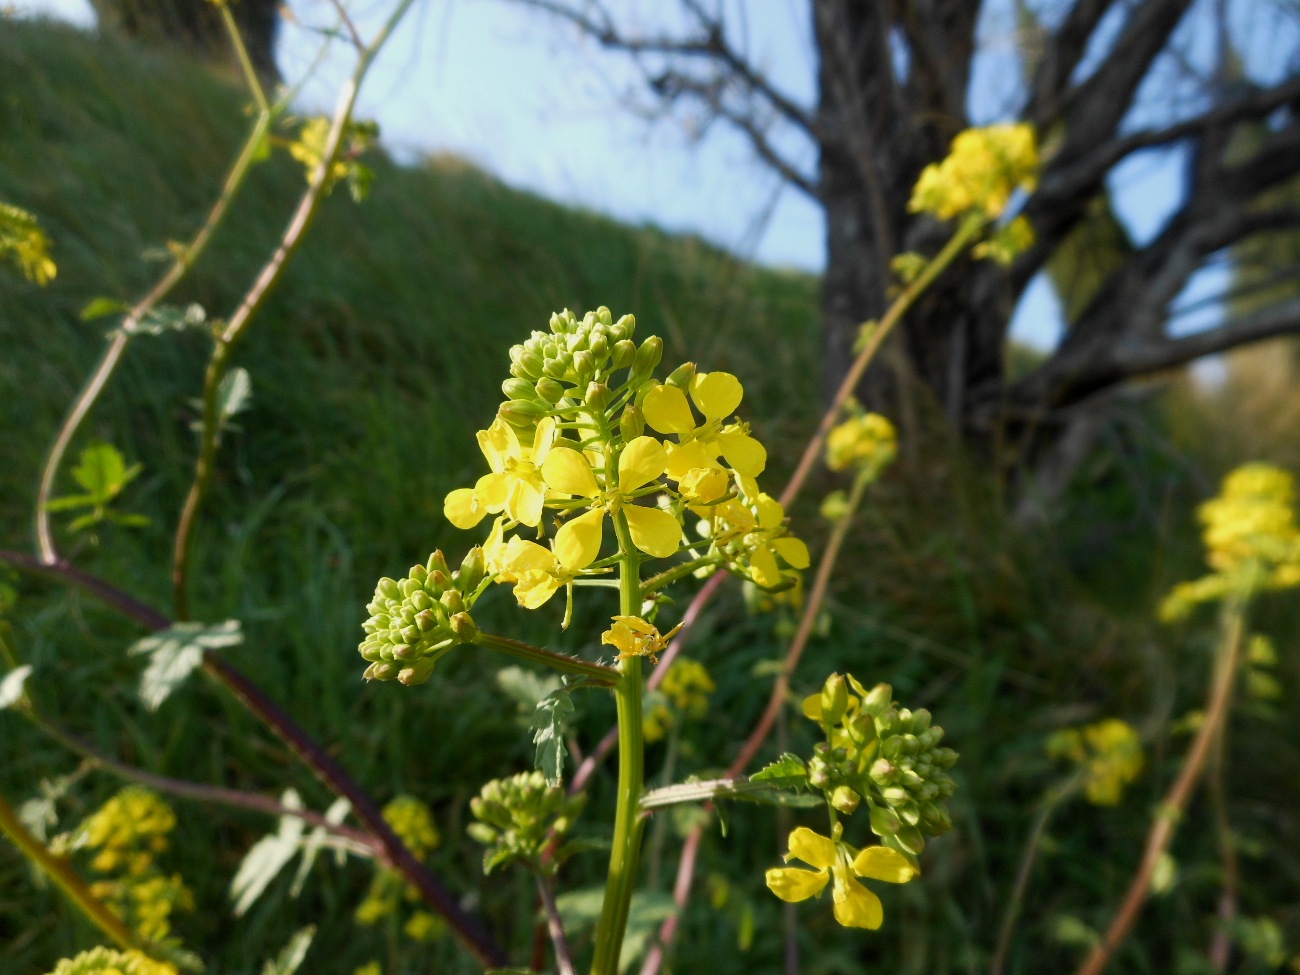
{"x":580,"y":909}
{"x":101,"y":308}
{"x":266,"y":858}
{"x":787,"y":772}
{"x":69,"y":502}
{"x":175,"y":652}
{"x":335,"y":814}
{"x":292,"y":954}
{"x":11,"y":688}
{"x":233,"y":394}
{"x":549,"y":722}
{"x":169,"y":318}
{"x":103,"y":473}
{"x":85,"y":521}
{"x":527,"y":688}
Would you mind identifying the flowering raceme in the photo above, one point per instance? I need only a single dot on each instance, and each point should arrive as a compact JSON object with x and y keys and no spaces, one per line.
{"x":983,"y":168}
{"x":866,"y":441}
{"x":1109,"y":752}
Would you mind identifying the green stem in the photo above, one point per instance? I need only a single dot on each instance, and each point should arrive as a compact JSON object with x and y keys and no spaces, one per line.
{"x":631,"y":775}
{"x":601,"y":674}
{"x":67,"y":880}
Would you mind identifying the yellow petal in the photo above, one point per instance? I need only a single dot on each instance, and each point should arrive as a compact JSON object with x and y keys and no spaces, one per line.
{"x":463,"y":508}
{"x":855,"y":905}
{"x":762,"y":564}
{"x":577,"y":543}
{"x":654,"y":531}
{"x":524,"y":503}
{"x":542,"y":440}
{"x":641,"y":462}
{"x":792,"y":884}
{"x":524,"y":556}
{"x":567,"y":470}
{"x":812,"y":848}
{"x":812,"y":707}
{"x":770,"y":512}
{"x":717,"y":394}
{"x":498,"y":443}
{"x":687,"y":457}
{"x":745,"y":454}
{"x":535,"y":587}
{"x":703,"y":484}
{"x":667,"y":411}
{"x":793,"y":550}
{"x":882,"y":863}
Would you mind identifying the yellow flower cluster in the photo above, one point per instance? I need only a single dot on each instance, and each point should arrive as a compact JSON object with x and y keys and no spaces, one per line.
{"x":126,"y":834}
{"x":412,"y":821}
{"x":589,"y":434}
{"x":23,"y":242}
{"x":983,"y":168}
{"x":684,"y":693}
{"x":108,"y":961}
{"x":1251,"y":537}
{"x":1109,"y":752}
{"x":865,"y":441}
{"x":855,"y":905}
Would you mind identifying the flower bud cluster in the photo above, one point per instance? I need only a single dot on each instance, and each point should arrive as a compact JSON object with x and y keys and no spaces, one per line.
{"x":416,"y":620}
{"x":984,"y":166}
{"x":108,"y":961}
{"x":883,"y":756}
{"x":865,"y":441}
{"x":518,"y":817}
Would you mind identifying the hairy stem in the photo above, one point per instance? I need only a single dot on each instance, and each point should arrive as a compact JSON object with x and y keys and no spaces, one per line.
{"x":600,"y":674}
{"x":631,"y":774}
{"x":563,"y":958}
{"x":1175,"y":801}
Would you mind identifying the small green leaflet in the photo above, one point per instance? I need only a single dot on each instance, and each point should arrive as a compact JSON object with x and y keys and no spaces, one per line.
{"x":102,"y":307}
{"x":175,"y":652}
{"x":102,"y":472}
{"x":787,"y":772}
{"x":291,"y":955}
{"x":233,"y":394}
{"x":169,"y":318}
{"x":267,"y":857}
{"x":549,"y":721}
{"x":335,"y":814}
{"x":11,"y":688}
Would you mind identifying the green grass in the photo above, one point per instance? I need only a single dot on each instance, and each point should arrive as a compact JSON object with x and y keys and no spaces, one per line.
{"x":372,"y":365}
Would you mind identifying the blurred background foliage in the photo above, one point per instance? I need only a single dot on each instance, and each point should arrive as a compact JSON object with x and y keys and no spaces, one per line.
{"x":373,"y":364}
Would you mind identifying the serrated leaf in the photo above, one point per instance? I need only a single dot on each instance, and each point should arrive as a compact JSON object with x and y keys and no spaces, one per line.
{"x":787,"y":772}
{"x":11,"y":688}
{"x":102,"y":472}
{"x":102,"y":307}
{"x":291,"y":956}
{"x":335,"y":814}
{"x":266,"y":858}
{"x":233,"y":394}
{"x":548,"y":725}
{"x":175,"y":652}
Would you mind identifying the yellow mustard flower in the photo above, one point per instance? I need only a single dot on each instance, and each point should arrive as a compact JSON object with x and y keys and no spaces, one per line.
{"x":412,"y":821}
{"x":515,"y":484}
{"x":539,"y":572}
{"x":1110,"y":753}
{"x":423,"y":926}
{"x":654,"y":531}
{"x":109,"y":961}
{"x":865,"y":440}
{"x":855,"y":905}
{"x":685,"y":692}
{"x":632,"y":636}
{"x":716,"y":395}
{"x":754,"y":524}
{"x":983,"y":168}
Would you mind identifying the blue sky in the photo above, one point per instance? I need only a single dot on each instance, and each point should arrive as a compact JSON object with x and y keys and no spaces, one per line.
{"x":544,"y":109}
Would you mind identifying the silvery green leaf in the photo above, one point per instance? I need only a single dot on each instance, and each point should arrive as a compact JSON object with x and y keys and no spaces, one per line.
{"x":337,"y":812}
{"x":267,"y":857}
{"x":11,"y":688}
{"x":175,"y":652}
{"x":233,"y":394}
{"x":291,"y":955}
{"x":549,"y":721}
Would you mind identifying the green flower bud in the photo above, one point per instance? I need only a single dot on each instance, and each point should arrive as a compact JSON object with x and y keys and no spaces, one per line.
{"x":452,"y":601}
{"x":603,"y":315}
{"x":522,"y":411}
{"x":382,"y":670}
{"x":884,"y":821}
{"x":473,"y":567}
{"x":845,"y":799}
{"x":584,"y":366}
{"x":622,"y":329}
{"x":681,"y":376}
{"x":878,"y":699}
{"x":646,"y":359}
{"x":417,"y":673}
{"x":599,"y":346}
{"x":597,"y":397}
{"x":834,"y":699}
{"x":518,"y":389}
{"x":631,"y":424}
{"x":462,"y":624}
{"x":623,"y":353}
{"x":549,"y":390}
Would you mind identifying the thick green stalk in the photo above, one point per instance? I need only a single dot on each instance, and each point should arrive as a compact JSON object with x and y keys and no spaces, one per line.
{"x":626,"y":850}
{"x":67,"y":880}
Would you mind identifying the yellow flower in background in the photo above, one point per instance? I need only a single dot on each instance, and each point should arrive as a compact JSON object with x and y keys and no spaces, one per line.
{"x":864,"y":440}
{"x":855,"y":905}
{"x":654,"y":531}
{"x":716,"y":395}
{"x":127,"y":830}
{"x":412,"y":821}
{"x":983,"y":168}
{"x":108,"y":961}
{"x":632,"y":636}
{"x":1251,"y":539}
{"x":1110,"y":753}
{"x":515,"y":484}
{"x":685,"y":692}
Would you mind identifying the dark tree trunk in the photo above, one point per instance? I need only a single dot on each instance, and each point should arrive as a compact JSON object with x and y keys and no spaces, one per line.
{"x":195,"y":26}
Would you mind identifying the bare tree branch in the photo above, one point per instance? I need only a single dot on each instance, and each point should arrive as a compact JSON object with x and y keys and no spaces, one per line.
{"x":1062,"y":56}
{"x":1281,"y":319}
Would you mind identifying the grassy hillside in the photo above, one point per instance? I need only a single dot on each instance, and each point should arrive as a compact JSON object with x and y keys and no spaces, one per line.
{"x":372,"y":365}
